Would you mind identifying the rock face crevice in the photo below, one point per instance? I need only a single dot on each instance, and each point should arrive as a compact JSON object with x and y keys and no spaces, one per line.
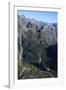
{"x":37,"y":47}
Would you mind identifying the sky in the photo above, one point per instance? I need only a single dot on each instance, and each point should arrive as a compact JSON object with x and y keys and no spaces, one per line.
{"x":45,"y":16}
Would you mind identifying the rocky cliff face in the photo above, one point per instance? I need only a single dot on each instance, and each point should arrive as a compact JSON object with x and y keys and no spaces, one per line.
{"x":34,"y":39}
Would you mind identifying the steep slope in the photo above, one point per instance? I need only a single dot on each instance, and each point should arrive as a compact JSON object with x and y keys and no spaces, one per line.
{"x":37,"y":40}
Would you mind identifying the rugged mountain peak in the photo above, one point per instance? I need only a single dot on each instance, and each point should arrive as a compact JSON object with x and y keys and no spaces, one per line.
{"x":48,"y":30}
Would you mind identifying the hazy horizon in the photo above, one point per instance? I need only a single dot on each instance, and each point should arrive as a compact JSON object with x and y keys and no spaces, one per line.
{"x":45,"y":16}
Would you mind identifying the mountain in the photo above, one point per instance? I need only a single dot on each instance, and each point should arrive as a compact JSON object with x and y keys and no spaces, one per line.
{"x":47,"y":30}
{"x":37,"y":45}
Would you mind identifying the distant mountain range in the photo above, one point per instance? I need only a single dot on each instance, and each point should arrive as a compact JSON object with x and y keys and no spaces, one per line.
{"x":47,"y":30}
